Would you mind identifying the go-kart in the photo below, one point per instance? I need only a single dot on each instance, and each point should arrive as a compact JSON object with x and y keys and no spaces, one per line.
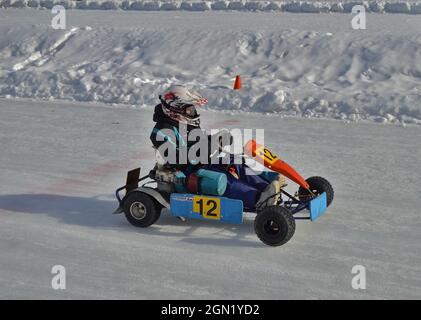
{"x":197,"y":197}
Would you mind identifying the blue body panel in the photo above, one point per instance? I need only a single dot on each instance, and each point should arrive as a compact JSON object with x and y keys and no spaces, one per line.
{"x":206,"y":207}
{"x":318,"y":206}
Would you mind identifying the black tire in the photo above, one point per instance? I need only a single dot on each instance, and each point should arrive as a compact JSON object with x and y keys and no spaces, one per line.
{"x":141,"y":210}
{"x":159,"y":208}
{"x":274,"y":225}
{"x":318,"y":185}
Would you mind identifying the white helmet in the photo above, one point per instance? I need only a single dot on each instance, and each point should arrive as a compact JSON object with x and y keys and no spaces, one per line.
{"x":178,"y":103}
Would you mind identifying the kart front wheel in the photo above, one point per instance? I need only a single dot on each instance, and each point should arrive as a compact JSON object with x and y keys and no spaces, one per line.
{"x":318,"y":185}
{"x":274,"y":225}
{"x":141,"y":210}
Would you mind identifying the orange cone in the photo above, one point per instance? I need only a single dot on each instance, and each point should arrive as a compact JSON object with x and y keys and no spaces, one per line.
{"x":237,"y":83}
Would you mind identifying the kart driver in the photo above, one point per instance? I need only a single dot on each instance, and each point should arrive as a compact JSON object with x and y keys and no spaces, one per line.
{"x":177,"y":112}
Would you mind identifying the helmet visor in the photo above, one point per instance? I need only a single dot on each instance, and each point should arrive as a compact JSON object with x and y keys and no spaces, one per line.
{"x":190,"y":111}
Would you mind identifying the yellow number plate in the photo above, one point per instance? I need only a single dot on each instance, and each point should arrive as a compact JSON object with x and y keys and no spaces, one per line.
{"x":266,"y":155}
{"x":207,"y":207}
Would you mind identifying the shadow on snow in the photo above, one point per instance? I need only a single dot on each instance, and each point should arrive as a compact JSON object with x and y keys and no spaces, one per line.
{"x":96,"y":212}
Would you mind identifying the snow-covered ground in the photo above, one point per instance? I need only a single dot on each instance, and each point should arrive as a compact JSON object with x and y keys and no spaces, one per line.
{"x":308,"y":6}
{"x":60,"y":162}
{"x":293,"y":64}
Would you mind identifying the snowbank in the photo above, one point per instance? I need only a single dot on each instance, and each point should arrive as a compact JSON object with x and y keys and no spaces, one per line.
{"x":379,"y":6}
{"x":348,"y":76}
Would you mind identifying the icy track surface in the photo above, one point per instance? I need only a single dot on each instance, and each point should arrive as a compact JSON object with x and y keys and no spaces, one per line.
{"x":61,"y":161}
{"x":293,"y":64}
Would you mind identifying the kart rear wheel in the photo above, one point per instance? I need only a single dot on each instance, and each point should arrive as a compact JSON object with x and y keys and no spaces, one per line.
{"x":141,"y":210}
{"x":274,"y":225}
{"x":159,"y":208}
{"x":318,"y":185}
